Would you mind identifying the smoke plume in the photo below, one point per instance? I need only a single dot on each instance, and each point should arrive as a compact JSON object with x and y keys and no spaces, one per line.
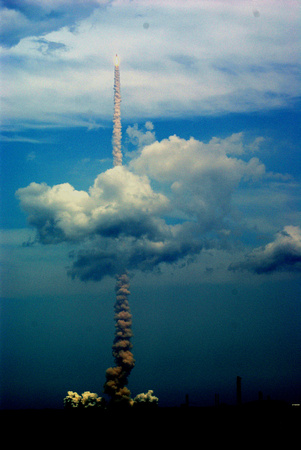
{"x":86,"y":400}
{"x":90,"y":400}
{"x":116,"y":120}
{"x":146,"y":399}
{"x":117,"y":377}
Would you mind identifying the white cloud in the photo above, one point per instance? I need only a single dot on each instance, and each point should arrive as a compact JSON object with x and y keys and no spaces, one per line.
{"x":118,"y":203}
{"x":283,"y":254}
{"x":123,"y":222}
{"x":23,"y":18}
{"x":194,"y":58}
{"x":231,"y":145}
{"x":201,"y":177}
{"x":139,"y":137}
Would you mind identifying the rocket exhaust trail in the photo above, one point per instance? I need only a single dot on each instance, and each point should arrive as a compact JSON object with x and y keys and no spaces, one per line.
{"x":117,"y":155}
{"x":117,"y":377}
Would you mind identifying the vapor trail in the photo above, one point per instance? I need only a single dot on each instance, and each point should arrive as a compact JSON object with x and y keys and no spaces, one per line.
{"x":117,"y":377}
{"x":117,"y":155}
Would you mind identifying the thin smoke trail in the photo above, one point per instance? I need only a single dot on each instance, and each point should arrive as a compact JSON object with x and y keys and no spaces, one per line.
{"x":117,"y":155}
{"x":117,"y":377}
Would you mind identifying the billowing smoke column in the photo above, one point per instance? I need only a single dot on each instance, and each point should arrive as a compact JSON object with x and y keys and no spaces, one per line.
{"x":117,"y":377}
{"x":116,"y":120}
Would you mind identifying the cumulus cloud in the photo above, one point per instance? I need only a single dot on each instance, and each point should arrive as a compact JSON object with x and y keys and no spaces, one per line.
{"x":122,"y":222}
{"x":200,"y":177}
{"x":283,"y":254}
{"x":119,"y":203}
{"x":141,"y":138}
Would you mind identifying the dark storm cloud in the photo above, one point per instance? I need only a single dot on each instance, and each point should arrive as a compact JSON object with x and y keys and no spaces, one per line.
{"x":283,"y":254}
{"x":110,"y":256}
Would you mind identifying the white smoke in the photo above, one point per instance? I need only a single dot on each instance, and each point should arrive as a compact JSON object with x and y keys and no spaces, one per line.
{"x":116,"y":119}
{"x":88,"y":400}
{"x":84,"y":401}
{"x":147,"y":398}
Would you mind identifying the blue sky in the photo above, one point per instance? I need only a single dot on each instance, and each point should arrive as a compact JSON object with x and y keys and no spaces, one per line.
{"x":204,"y":213}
